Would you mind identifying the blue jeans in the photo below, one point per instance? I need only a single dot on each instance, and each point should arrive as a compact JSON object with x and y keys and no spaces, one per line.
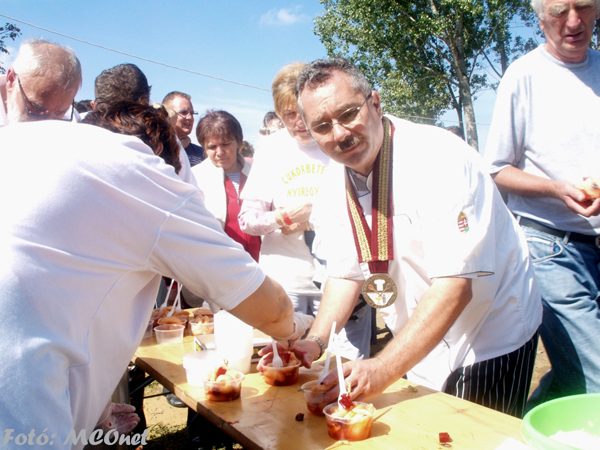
{"x":355,"y":336}
{"x":568,"y":277}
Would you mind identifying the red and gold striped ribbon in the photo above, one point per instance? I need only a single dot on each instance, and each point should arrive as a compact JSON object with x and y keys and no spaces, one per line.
{"x":375,"y":245}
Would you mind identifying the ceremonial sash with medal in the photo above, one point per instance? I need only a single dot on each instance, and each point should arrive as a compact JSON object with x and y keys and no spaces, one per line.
{"x":375,"y":245}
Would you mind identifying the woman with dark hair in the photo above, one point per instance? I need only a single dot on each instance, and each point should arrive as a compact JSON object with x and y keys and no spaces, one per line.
{"x":222,"y":176}
{"x":151,"y":125}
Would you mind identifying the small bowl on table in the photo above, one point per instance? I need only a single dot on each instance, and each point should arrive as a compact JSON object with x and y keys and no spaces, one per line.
{"x":227,"y":387}
{"x":353,"y":426}
{"x":169,"y":334}
{"x":314,"y":394}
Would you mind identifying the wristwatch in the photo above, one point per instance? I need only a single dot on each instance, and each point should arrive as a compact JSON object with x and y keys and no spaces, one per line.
{"x":320,"y":342}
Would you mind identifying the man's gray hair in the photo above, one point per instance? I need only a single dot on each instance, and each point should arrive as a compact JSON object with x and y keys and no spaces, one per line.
{"x":320,"y":71}
{"x":538,"y":7}
{"x":39,"y":58}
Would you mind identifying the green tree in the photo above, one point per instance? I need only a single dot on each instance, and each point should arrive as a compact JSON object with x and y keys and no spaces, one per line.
{"x":8,"y":31}
{"x":426,"y":56}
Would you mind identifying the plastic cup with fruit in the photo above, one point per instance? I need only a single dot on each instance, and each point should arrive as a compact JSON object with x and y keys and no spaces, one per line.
{"x":314,"y":394}
{"x":223,"y":384}
{"x":286,"y":375}
{"x":202,"y":324}
{"x":177,"y":318}
{"x":352,"y":423}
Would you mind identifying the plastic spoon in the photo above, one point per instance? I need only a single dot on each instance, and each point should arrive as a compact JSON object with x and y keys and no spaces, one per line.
{"x":340,"y":371}
{"x":328,"y":354}
{"x":164,"y":304}
{"x":277,"y":362}
{"x":178,"y":298}
{"x":177,"y":301}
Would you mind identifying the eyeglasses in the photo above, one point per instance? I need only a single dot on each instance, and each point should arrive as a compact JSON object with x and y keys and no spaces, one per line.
{"x":345,"y":119}
{"x":187,"y":113}
{"x":45,"y":114}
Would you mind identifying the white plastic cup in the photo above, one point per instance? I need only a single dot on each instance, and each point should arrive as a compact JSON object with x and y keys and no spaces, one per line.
{"x":169,"y":334}
{"x":233,"y":339}
{"x":198,"y":364}
{"x":148,"y":332}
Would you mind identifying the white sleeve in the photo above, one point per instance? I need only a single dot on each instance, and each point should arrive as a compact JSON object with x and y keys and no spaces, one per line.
{"x":193,"y":249}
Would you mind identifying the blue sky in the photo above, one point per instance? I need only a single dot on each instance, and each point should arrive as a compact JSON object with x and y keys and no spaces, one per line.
{"x":243,"y":41}
{"x":238,"y":40}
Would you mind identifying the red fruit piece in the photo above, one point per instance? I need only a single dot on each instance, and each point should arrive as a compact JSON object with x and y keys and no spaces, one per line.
{"x":221,"y":371}
{"x":285,"y":357}
{"x":346,"y":401}
{"x":445,"y":437}
{"x":299,"y":417}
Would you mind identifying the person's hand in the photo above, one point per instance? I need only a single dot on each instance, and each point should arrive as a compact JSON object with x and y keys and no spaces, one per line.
{"x":293,"y":228}
{"x":119,"y":417}
{"x":299,"y":212}
{"x":267,"y":355}
{"x":576,"y":200}
{"x":302,"y":322}
{"x":307,"y":351}
{"x":368,"y":378}
{"x":302,"y":349}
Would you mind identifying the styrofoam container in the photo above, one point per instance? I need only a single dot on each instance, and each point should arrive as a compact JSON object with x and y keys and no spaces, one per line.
{"x":169,"y":334}
{"x":198,"y":364}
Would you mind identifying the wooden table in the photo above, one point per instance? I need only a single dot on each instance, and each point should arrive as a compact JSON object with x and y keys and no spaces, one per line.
{"x":408,"y":416}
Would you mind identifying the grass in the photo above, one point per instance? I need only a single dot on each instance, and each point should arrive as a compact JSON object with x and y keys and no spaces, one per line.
{"x":161,"y":437}
{"x":175,"y":436}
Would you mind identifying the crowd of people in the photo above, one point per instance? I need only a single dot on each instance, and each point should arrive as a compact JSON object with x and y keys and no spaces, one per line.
{"x":342,"y":210}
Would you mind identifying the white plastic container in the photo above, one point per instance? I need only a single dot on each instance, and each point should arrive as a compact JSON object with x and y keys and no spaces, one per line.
{"x":198,"y":364}
{"x":148,"y":332}
{"x":233,"y":339}
{"x":169,"y":334}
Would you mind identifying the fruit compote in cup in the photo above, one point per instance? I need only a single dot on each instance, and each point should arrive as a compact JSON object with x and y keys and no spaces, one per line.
{"x":176,"y":319}
{"x":314,"y":394}
{"x":202,"y":324}
{"x":282,"y":376}
{"x":223,"y":387}
{"x":349,"y":425}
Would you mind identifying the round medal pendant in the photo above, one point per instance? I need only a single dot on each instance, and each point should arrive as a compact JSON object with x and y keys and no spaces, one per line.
{"x":380,"y":290}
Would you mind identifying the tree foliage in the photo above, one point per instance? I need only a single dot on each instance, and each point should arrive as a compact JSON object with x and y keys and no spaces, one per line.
{"x":426,"y":56}
{"x":8,"y":31}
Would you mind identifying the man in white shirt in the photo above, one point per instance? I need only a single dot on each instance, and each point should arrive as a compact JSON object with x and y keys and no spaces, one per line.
{"x":444,"y":259}
{"x":543,"y":142}
{"x":41,"y":84}
{"x":92,"y":221}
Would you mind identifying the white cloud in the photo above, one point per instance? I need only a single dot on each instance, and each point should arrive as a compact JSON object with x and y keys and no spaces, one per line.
{"x":283,"y":17}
